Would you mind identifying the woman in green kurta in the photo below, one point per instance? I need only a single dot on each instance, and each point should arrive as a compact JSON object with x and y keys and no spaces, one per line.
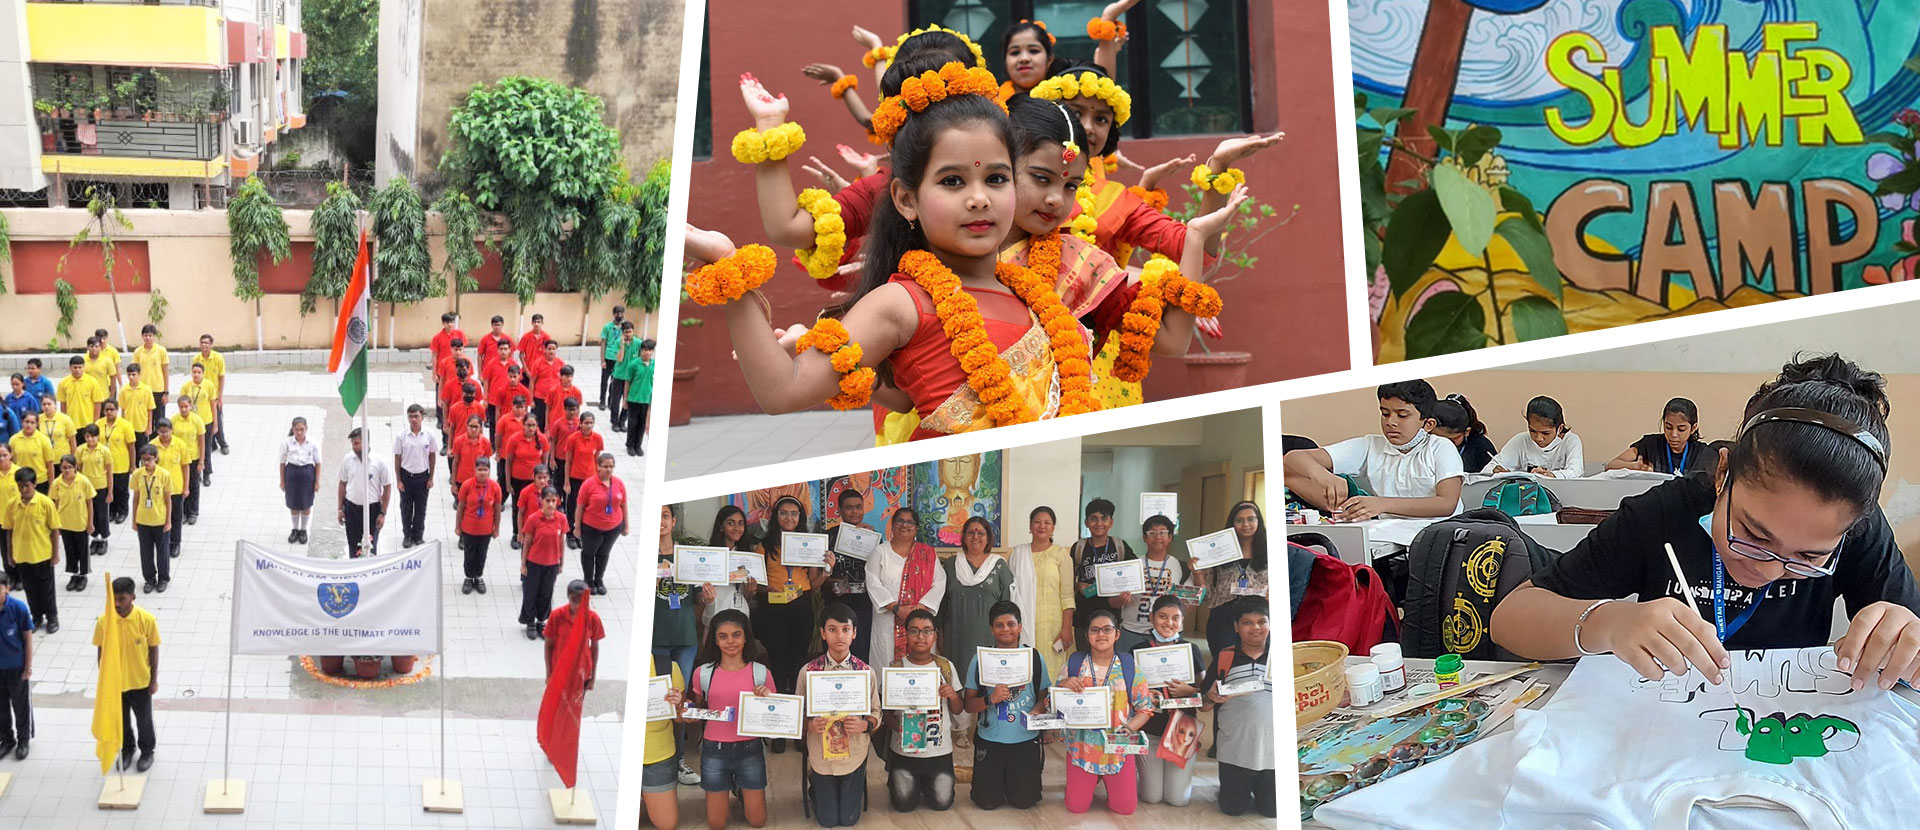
{"x":976,"y":579}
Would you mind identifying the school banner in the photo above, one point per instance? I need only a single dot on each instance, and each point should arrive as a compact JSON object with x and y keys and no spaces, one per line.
{"x":1531,"y":168}
{"x":380,"y":605}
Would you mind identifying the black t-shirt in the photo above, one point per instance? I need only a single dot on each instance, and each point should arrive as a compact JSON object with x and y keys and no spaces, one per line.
{"x":1476,"y":452}
{"x":1625,"y":555}
{"x":1696,"y":458}
{"x":847,"y":571}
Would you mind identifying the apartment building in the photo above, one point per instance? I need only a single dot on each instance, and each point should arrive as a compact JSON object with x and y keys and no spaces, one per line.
{"x":167,"y":102}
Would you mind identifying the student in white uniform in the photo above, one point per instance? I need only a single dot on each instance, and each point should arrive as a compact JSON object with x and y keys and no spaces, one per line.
{"x":1548,"y":448}
{"x":1409,"y":470}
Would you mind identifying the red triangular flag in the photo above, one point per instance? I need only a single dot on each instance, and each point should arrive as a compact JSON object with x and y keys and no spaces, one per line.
{"x":559,"y":725}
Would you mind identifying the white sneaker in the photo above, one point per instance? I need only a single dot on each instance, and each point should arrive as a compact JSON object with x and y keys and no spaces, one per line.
{"x":687,"y":776}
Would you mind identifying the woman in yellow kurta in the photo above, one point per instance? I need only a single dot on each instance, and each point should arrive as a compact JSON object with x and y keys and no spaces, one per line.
{"x":1043,"y":587}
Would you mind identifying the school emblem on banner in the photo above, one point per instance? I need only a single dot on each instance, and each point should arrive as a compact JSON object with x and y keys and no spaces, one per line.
{"x":339,"y":598}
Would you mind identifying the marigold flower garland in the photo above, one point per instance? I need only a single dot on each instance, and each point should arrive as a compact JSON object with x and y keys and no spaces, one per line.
{"x":1224,"y":183}
{"x":989,"y":375}
{"x":1161,"y":285}
{"x":831,"y":338}
{"x":1086,"y":225}
{"x":1155,"y":198}
{"x":878,"y":55}
{"x":751,"y":146}
{"x":845,"y":83}
{"x":732,"y":277}
{"x":927,"y":88}
{"x":1101,"y":28}
{"x":1087,"y":84}
{"x":829,"y":233}
{"x":979,"y":57}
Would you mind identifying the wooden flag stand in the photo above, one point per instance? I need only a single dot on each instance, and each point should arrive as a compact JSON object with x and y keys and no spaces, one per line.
{"x":569,"y":807}
{"x":6,"y":781}
{"x":122,"y":792}
{"x":226,"y":795}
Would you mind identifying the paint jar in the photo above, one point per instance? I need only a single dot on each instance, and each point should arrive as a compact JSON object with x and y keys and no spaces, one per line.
{"x":1421,"y":690}
{"x":1446,"y":670}
{"x":1363,"y":685}
{"x":1393,"y":669}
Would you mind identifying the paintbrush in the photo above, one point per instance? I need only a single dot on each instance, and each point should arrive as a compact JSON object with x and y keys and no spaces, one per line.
{"x":1410,"y":705}
{"x":1680,"y":575}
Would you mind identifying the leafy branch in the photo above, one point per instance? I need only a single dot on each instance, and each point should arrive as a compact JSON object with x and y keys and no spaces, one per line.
{"x":336,"y":244}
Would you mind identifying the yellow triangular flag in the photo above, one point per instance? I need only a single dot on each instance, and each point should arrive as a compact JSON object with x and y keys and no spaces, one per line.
{"x":107,"y":715}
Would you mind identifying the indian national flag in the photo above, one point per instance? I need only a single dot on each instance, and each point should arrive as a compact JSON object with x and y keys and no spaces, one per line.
{"x":348,"y":362}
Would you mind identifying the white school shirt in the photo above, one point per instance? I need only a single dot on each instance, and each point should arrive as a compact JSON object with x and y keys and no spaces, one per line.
{"x":416,"y":450}
{"x":364,"y":482}
{"x":1401,"y":474}
{"x":1566,"y":458}
{"x":296,"y":454}
{"x":1613,"y":751}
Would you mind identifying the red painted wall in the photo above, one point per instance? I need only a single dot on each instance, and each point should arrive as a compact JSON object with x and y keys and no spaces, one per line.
{"x":1289,"y":312}
{"x":36,"y":264}
{"x":291,"y":275}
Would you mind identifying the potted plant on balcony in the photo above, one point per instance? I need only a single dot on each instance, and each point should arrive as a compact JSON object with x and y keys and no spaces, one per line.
{"x":217,"y":104}
{"x":125,"y":93}
{"x":49,"y":140}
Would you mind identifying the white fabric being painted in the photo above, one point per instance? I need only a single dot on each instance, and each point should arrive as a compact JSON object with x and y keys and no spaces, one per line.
{"x":1613,"y":751}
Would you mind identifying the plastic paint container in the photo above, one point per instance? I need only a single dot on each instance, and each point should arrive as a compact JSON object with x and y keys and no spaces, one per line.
{"x":1363,"y":685}
{"x":1421,"y":690}
{"x":1393,"y":669}
{"x":1446,"y":670}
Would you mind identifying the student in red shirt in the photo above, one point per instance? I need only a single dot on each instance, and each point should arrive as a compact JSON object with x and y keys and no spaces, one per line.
{"x":599,"y":515}
{"x":447,"y":334}
{"x":534,"y":341}
{"x":509,"y":425}
{"x":479,"y":504}
{"x":493,"y":375}
{"x":504,"y":397}
{"x":450,"y":391}
{"x":564,"y":390}
{"x":569,"y":615}
{"x":527,"y":499}
{"x":541,"y":552}
{"x":576,"y":457}
{"x":443,"y":365}
{"x":563,"y":429}
{"x":467,"y":450}
{"x":491,"y":341}
{"x":522,"y":452}
{"x":468,"y":408}
{"x":544,"y":376}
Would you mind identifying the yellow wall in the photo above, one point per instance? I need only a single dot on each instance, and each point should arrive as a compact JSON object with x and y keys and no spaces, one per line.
{"x":188,"y":254}
{"x":1610,"y":410}
{"x":125,"y":35}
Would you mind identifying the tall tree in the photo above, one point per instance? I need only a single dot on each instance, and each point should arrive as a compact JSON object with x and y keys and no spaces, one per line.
{"x":342,"y":64}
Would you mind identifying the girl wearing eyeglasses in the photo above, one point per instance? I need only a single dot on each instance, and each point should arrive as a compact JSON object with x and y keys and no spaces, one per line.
{"x":1789,"y":521}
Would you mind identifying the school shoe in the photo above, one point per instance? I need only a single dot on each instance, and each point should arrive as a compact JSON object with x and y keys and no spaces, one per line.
{"x":516,"y":543}
{"x":20,"y":752}
{"x":223,"y":449}
{"x":466,"y":585}
{"x":53,"y":626}
{"x":293,"y":536}
{"x":146,"y":588}
{"x":163,"y":585}
{"x":145,"y":763}
{"x":83,"y":582}
{"x":573,"y":543}
{"x":5,"y":747}
{"x":688,"y":777}
{"x":173,"y":552}
{"x":600,"y":588}
{"x":533,"y":633}
{"x":303,"y":537}
{"x":193,"y":518}
{"x":480,"y":585}
{"x":72,"y":585}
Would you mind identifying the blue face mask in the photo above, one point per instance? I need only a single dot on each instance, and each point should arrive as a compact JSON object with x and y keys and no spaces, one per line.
{"x":1706,"y":524}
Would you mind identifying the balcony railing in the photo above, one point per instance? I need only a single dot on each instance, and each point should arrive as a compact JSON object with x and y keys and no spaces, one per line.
{"x":207,"y":4}
{"x":130,"y":138}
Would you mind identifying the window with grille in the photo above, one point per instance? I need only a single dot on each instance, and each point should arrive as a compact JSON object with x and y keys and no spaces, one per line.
{"x":1192,"y":54}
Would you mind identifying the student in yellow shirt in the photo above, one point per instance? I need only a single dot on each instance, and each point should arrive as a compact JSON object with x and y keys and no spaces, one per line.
{"x":72,"y":496}
{"x":32,"y":449}
{"x":96,"y":464}
{"x":173,"y":459}
{"x":216,"y":368}
{"x":201,"y":391}
{"x":102,"y":366}
{"x":35,"y":528}
{"x":152,"y":518}
{"x":136,"y":405}
{"x":9,"y":496}
{"x":58,"y":427}
{"x":140,"y":666}
{"x":191,"y":431}
{"x":80,"y":395}
{"x":152,"y":359}
{"x":117,"y":435}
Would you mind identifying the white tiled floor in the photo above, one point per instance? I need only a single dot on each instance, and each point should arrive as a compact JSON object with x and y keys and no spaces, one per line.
{"x":722,"y":443}
{"x":318,"y":755}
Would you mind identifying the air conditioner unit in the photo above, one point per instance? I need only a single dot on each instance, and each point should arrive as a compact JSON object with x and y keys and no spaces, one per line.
{"x":246,"y":133}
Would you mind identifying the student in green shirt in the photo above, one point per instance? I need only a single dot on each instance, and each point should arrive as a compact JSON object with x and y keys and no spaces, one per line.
{"x":610,"y":351}
{"x":626,"y":356}
{"x":639,"y":398}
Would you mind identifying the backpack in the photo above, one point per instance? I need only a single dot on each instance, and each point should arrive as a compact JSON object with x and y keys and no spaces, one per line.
{"x":1521,"y":497}
{"x":703,"y":679}
{"x":1079,"y":658}
{"x":1344,"y":603}
{"x":1458,"y":570}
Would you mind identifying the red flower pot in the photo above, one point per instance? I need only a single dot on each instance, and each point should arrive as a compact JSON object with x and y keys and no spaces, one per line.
{"x":366,"y":668}
{"x":682,"y":411}
{"x":333,"y":665}
{"x":403,"y":663}
{"x":1218,"y":371}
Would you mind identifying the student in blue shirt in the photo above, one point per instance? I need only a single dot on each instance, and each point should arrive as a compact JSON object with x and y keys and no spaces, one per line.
{"x":16,"y":665}
{"x":19,"y":401}
{"x":1007,"y":759}
{"x":9,"y":424}
{"x":37,"y":384}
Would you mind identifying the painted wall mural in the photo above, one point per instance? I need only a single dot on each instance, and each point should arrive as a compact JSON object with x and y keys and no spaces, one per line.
{"x":1531,"y":168}
{"x":945,"y":493}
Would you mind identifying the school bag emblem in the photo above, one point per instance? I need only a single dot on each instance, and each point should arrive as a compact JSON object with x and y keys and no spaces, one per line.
{"x":338,"y":599}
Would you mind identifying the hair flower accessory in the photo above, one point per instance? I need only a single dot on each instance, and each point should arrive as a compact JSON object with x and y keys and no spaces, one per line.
{"x":928,"y":88}
{"x":980,"y":57}
{"x":1087,"y":85}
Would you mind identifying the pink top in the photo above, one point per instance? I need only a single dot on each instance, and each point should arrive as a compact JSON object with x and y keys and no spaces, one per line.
{"x":728,"y":686}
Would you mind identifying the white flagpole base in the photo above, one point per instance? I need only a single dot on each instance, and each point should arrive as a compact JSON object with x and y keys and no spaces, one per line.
{"x":442,"y":796}
{"x":570,"y":807}
{"x":122,"y":792}
{"x":226,"y":795}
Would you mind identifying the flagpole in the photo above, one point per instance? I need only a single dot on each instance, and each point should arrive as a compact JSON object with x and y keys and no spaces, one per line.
{"x":366,"y":435}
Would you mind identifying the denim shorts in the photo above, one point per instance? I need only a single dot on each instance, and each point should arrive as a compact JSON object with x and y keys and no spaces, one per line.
{"x":660,"y":777}
{"x":724,"y":766}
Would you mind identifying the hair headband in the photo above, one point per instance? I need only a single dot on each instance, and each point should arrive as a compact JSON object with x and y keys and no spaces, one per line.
{"x":1824,"y":420}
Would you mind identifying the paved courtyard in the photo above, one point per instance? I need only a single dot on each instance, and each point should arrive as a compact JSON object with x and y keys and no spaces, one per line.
{"x":723,"y":443}
{"x":314,"y":754}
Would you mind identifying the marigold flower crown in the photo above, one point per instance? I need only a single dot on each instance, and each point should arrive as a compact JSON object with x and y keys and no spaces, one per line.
{"x":928,"y":88}
{"x":1089,"y":85}
{"x":979,"y":57}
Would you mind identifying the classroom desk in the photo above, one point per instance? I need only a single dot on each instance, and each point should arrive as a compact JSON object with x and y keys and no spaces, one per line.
{"x":1592,"y":493}
{"x":1354,"y":540}
{"x":1552,"y":674}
